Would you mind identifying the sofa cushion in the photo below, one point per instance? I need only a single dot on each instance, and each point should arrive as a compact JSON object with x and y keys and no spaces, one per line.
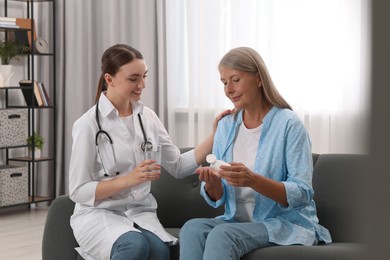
{"x":175,"y":250}
{"x":338,"y":251}
{"x":180,"y":195}
{"x":179,"y":200}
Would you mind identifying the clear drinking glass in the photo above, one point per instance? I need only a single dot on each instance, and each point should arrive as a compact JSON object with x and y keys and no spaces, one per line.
{"x":154,"y":154}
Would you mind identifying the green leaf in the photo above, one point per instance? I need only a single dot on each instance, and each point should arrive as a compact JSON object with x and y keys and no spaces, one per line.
{"x":10,"y":50}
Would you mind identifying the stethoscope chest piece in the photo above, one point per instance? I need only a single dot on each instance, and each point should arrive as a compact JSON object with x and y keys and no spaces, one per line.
{"x":146,"y":146}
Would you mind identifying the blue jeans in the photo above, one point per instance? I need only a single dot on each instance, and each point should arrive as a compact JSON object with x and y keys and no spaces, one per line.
{"x":139,"y":246}
{"x":211,"y":239}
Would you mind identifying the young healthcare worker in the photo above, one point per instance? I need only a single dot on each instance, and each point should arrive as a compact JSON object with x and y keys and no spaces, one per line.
{"x":115,"y":213}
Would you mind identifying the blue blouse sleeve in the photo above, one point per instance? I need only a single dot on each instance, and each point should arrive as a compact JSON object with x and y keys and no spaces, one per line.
{"x":299,"y":166}
{"x":209,"y":201}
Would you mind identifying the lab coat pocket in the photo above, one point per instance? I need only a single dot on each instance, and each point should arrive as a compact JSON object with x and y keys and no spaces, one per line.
{"x":140,"y":191}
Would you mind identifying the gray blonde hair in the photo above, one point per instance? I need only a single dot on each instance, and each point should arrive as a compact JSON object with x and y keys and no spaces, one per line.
{"x":248,"y":60}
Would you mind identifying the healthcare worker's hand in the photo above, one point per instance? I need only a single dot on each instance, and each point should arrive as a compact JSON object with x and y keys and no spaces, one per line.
{"x":213,"y":182}
{"x":205,"y":147}
{"x":145,"y":171}
{"x":220,"y":116}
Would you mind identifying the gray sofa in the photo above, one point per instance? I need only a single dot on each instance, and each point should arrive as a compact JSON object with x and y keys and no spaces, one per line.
{"x":336,"y":196}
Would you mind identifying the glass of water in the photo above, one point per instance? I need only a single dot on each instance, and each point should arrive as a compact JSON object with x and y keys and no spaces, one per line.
{"x":154,"y":154}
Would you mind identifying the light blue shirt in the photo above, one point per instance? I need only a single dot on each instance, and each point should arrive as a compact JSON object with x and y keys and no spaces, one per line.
{"x":283,"y":154}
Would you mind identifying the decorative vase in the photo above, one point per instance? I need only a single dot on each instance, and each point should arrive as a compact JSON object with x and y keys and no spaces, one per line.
{"x":1,"y":80}
{"x":37,"y":153}
{"x":6,"y":75}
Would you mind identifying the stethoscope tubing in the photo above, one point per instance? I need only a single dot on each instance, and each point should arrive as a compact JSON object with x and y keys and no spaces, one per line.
{"x":145,"y":145}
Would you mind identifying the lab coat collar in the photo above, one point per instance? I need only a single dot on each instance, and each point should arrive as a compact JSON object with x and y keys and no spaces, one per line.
{"x":106,"y":107}
{"x":138,"y":107}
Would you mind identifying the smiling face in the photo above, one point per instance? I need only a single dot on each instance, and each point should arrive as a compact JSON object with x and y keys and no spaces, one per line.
{"x":128,"y":82}
{"x":242,"y":88}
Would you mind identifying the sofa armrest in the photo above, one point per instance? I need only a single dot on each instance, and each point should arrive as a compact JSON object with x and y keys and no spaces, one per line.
{"x":58,"y":241}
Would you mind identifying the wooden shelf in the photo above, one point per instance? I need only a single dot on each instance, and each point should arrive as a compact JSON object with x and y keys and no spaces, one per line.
{"x":37,"y":199}
{"x":29,"y":159}
{"x":35,"y":1}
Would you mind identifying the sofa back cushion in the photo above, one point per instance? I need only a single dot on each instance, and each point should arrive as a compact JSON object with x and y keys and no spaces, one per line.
{"x":336,"y":193}
{"x":336,"y":181}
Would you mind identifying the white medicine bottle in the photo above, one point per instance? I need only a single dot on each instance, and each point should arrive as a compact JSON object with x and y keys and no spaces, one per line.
{"x":214,"y":163}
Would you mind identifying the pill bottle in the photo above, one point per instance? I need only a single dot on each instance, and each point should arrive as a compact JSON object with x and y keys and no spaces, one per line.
{"x":214,"y":163}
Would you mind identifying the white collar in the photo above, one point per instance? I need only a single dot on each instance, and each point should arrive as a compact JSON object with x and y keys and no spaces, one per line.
{"x":106,"y":107}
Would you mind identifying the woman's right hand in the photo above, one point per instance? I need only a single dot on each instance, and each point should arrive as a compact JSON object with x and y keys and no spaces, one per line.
{"x":146,"y":170}
{"x":213,"y":182}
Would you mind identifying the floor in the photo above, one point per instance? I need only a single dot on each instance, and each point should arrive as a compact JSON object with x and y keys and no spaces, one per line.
{"x":21,"y":231}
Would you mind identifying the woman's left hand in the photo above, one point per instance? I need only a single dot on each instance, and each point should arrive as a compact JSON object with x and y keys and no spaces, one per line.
{"x":237,"y":174}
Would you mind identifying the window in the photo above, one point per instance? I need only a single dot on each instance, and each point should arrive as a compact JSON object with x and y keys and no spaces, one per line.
{"x":316,"y":52}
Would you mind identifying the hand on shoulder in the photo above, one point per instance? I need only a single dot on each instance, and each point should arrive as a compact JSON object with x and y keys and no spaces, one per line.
{"x":222,"y":115}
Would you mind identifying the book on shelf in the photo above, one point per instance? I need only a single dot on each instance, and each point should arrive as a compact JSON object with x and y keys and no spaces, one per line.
{"x":36,"y":93}
{"x":21,"y":38}
{"x":45,"y":95}
{"x":8,"y":22}
{"x":40,"y":90}
{"x":8,"y":25}
{"x":7,"y":19}
{"x":28,"y":93}
{"x":24,"y":36}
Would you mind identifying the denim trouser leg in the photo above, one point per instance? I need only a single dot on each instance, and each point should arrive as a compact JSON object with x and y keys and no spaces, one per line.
{"x":211,"y":239}
{"x":139,"y":246}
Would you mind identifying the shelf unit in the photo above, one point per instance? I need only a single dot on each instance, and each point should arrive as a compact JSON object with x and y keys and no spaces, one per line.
{"x":42,"y":168}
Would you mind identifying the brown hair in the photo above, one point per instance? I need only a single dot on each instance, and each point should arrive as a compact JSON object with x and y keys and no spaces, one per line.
{"x":249,"y":60}
{"x":114,"y":58}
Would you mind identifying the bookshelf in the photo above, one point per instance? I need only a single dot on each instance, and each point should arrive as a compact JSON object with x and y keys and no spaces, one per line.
{"x":32,"y":177}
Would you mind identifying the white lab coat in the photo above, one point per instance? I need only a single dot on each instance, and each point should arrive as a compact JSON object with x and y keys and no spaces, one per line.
{"x":97,"y":224}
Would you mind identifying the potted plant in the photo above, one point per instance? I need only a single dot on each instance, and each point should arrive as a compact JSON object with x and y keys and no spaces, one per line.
{"x":38,"y":144}
{"x":9,"y":50}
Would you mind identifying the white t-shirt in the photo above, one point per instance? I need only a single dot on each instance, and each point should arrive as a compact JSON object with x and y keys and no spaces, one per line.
{"x":244,"y":151}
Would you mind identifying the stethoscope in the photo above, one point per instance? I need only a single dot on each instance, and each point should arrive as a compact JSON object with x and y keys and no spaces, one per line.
{"x":145,"y":145}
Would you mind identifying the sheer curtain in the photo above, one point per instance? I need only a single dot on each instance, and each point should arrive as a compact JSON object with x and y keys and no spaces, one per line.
{"x":316,"y":52}
{"x":84,"y":29}
{"x":90,"y":27}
